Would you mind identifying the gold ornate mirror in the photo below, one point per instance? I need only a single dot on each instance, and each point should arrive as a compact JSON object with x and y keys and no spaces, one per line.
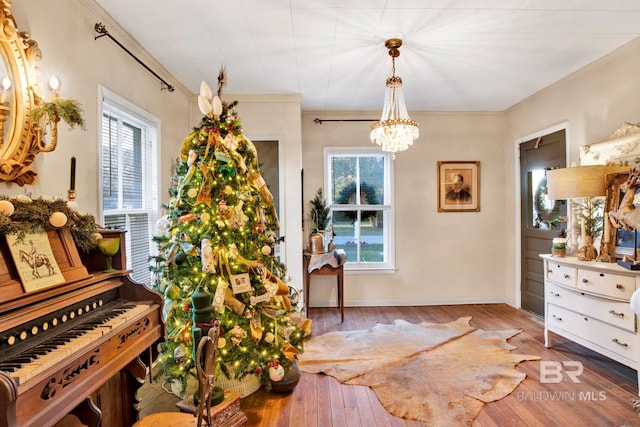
{"x":19,"y":94}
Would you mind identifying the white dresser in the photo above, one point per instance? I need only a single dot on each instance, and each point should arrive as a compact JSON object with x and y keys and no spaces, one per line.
{"x":588,"y":302}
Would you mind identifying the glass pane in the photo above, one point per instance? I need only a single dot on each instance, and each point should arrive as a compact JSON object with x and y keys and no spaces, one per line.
{"x":109,"y":162}
{"x":131,"y":167}
{"x":372,"y":180}
{"x":345,"y":233}
{"x":544,"y":213}
{"x":372,"y":237}
{"x":343,"y":178}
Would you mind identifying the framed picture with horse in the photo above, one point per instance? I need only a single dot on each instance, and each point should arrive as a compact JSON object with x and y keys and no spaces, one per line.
{"x":622,"y":214}
{"x":34,"y":261}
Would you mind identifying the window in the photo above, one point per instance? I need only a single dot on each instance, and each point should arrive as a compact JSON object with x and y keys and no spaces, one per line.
{"x":359,"y":182}
{"x":129,"y":170}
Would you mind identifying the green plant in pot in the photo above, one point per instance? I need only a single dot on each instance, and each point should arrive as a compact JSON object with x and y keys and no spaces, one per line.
{"x":51,"y":112}
{"x":320,"y":216}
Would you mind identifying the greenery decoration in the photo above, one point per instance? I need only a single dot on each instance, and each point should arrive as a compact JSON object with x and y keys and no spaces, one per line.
{"x":550,"y":216}
{"x":590,"y":210}
{"x":217,"y":238}
{"x":32,"y":216}
{"x":347,"y":196}
{"x":319,"y":211}
{"x":67,"y":109}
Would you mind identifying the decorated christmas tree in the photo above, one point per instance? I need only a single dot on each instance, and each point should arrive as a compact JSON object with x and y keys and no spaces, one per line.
{"x":216,"y":256}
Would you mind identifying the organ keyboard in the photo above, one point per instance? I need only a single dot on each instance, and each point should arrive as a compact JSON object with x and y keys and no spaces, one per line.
{"x":83,"y":339}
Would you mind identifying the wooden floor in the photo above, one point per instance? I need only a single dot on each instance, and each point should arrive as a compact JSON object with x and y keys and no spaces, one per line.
{"x":604,"y":396}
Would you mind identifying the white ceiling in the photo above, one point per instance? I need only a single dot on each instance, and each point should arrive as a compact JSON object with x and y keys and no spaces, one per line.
{"x":458,"y":55}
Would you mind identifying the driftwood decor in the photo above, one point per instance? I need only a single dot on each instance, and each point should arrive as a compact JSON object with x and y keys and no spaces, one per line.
{"x":621,"y":149}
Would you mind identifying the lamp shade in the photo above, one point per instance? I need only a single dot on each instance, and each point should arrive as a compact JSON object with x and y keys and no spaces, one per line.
{"x":579,"y":181}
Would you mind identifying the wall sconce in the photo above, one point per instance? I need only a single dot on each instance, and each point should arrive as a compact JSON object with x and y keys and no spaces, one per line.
{"x":49,"y":113}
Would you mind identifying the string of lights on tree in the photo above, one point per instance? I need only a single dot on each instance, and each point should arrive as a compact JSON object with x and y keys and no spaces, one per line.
{"x":218,"y":238}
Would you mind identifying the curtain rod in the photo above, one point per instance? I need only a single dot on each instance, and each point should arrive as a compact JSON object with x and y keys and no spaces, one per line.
{"x":319,"y":121}
{"x":102,"y":31}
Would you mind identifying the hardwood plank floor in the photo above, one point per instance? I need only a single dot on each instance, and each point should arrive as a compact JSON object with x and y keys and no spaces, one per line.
{"x":603,"y":397}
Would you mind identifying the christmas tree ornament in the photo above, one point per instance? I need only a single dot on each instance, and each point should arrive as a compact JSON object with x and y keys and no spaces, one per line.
{"x":204,"y":105}
{"x":233,"y":250}
{"x":266,"y":250}
{"x":205,"y":91}
{"x":191,"y":159}
{"x":206,"y":254}
{"x":227,"y":171}
{"x":222,"y":342}
{"x":172,"y":292}
{"x":216,"y":107}
{"x":237,"y":335}
{"x":276,"y":372}
{"x":58,"y":219}
{"x":205,"y":217}
{"x":192,"y":193}
{"x":179,"y":258}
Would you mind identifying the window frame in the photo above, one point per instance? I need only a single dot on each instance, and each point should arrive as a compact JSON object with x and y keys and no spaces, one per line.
{"x":387,"y":206}
{"x":136,"y":116}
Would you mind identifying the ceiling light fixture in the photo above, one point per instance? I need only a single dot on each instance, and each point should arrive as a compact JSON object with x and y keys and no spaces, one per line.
{"x":395,"y":131}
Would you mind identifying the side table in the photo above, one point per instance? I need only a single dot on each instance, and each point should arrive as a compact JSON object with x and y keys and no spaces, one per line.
{"x":324,"y":270}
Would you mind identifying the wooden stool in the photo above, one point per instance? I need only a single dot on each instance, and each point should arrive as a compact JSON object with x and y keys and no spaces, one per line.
{"x":325,"y":270}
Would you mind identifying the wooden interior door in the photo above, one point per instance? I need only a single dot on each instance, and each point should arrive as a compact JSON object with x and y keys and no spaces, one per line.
{"x":539,"y":216}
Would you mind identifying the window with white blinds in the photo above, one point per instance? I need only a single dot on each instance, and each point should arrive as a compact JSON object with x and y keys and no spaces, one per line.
{"x":129,"y":170}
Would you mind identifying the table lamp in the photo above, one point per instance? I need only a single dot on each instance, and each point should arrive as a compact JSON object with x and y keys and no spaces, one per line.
{"x":581,"y":182}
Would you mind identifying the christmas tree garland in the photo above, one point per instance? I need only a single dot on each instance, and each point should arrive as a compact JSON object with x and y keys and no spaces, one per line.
{"x":21,"y":215}
{"x":216,"y":241}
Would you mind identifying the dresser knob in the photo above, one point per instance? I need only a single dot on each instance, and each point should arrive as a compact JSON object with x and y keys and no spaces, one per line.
{"x":549,"y":271}
{"x":585,"y":280}
{"x":555,"y":294}
{"x":623,"y":344}
{"x":566,"y":276}
{"x":557,"y":318}
{"x":621,"y":315}
{"x":619,"y":286}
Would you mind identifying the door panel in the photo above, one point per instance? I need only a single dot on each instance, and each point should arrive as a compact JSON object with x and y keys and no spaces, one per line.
{"x":540,"y":217}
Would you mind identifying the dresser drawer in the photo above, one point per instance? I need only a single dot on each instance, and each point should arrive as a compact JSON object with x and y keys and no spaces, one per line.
{"x":607,"y":284}
{"x":562,"y":274}
{"x":622,"y":343}
{"x":616,"y":313}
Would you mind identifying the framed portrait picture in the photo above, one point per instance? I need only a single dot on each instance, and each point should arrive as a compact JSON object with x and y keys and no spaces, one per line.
{"x":35,"y":261}
{"x":459,"y":186}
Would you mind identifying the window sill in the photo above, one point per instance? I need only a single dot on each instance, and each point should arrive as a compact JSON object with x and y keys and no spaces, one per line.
{"x":369,"y":270}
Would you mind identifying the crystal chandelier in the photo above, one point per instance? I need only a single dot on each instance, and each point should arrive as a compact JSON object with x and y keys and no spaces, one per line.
{"x":395,"y":131}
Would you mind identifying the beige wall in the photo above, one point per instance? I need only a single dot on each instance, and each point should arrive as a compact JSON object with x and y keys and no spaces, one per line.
{"x":64,"y":30}
{"x":440,"y":257}
{"x":593,"y":102}
{"x":276,"y":117}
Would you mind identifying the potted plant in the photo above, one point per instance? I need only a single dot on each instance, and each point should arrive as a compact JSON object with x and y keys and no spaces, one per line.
{"x":320,"y":214}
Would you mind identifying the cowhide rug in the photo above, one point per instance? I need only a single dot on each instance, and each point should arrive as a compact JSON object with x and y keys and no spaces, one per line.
{"x":441,"y":374}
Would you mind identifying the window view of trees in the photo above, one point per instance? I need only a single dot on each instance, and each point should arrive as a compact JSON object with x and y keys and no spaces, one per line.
{"x":358,"y":208}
